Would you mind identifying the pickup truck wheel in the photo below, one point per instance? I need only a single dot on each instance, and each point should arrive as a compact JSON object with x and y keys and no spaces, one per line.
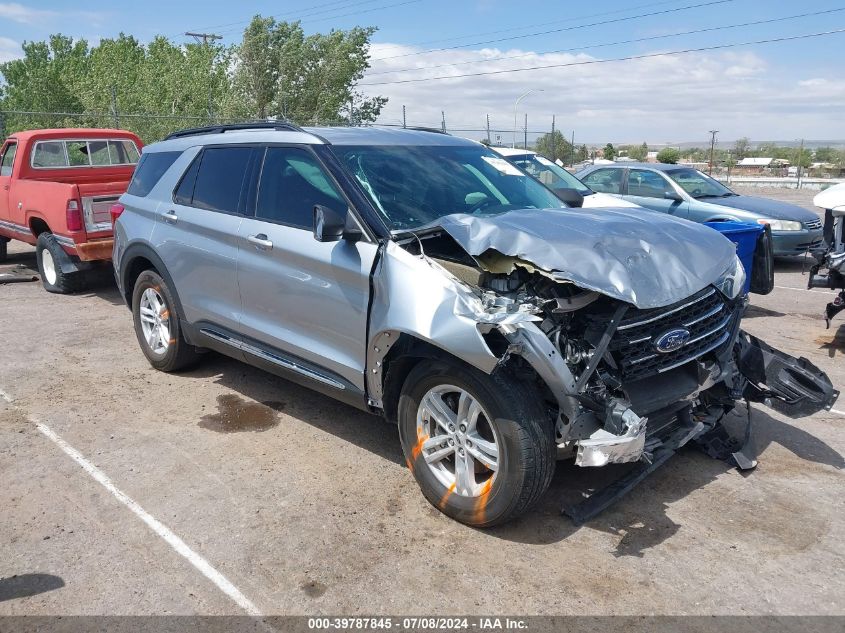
{"x":3,"y":248}
{"x":157,"y":324}
{"x":49,"y":253}
{"x":480,"y":446}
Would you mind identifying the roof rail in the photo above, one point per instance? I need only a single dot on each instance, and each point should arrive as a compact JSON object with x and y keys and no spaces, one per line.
{"x":433,"y":130}
{"x":234,"y":127}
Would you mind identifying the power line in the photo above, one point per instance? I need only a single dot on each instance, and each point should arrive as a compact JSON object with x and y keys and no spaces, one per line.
{"x":308,"y":12}
{"x":606,"y":44}
{"x":531,"y":26}
{"x":606,"y":61}
{"x":568,"y":28}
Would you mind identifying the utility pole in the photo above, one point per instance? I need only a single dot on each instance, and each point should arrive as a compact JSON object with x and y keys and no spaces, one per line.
{"x":205,"y":39}
{"x":713,"y":134}
{"x":489,"y":140}
{"x":443,"y":121}
{"x":404,"y":125}
{"x":351,"y":113}
{"x":800,"y":160}
{"x":525,"y":129}
{"x":554,"y":145}
{"x":572,"y":150}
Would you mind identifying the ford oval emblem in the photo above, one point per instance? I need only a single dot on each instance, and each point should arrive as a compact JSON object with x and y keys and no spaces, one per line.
{"x":674,"y":339}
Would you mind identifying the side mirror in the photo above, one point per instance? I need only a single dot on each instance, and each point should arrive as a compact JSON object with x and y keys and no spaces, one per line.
{"x":329,"y":225}
{"x":673,"y":195}
{"x":569,"y":196}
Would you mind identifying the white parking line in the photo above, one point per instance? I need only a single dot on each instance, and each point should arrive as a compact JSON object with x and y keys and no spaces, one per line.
{"x":814,"y":290}
{"x":154,"y":524}
{"x":837,"y":411}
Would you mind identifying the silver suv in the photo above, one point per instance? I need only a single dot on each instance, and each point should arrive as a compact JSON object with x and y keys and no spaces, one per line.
{"x":424,"y":278}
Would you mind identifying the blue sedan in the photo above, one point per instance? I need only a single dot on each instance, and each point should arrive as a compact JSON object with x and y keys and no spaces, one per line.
{"x":688,"y":193}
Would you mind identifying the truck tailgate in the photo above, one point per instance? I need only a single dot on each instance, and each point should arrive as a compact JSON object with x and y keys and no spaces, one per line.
{"x":97,"y":199}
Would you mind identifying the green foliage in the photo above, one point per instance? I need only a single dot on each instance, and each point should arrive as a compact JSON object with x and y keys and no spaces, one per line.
{"x":668,"y":155}
{"x":582,"y":154}
{"x":609,"y":151}
{"x":742,"y":147}
{"x":279,"y":71}
{"x":636,"y":152}
{"x":554,"y":146}
{"x":275,"y":71}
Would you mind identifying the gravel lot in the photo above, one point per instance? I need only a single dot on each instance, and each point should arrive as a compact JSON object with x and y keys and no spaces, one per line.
{"x":306,"y":507}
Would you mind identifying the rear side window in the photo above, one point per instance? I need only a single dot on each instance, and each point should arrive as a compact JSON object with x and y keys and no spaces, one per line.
{"x":185,"y":190}
{"x":220,"y":179}
{"x":8,"y":159}
{"x":149,"y":171}
{"x":604,"y":180}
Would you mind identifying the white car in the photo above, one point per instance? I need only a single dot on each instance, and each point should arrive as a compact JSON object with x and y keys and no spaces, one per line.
{"x":559,"y":180}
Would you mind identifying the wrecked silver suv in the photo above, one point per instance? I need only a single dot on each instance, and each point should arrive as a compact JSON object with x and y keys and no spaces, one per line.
{"x":423,"y":277}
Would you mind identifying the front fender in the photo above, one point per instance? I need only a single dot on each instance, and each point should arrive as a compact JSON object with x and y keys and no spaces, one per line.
{"x":414,"y":296}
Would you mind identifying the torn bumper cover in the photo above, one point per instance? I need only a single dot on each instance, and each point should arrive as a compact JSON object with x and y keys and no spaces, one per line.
{"x":603,"y":448}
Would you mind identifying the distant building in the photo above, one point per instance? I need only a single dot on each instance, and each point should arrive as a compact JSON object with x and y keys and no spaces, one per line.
{"x":755,"y":162}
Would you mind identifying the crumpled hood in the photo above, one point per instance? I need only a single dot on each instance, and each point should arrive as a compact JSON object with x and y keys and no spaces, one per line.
{"x":647,"y":259}
{"x":774,"y":209}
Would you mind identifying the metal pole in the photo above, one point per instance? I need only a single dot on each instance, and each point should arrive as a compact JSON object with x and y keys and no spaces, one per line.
{"x":351,"y":114}
{"x":572,"y":150}
{"x":443,"y":121}
{"x":489,"y":140}
{"x":526,"y":132}
{"x":516,"y":106}
{"x":800,"y":160}
{"x":554,"y":144}
{"x":403,"y":117}
{"x":712,"y":148}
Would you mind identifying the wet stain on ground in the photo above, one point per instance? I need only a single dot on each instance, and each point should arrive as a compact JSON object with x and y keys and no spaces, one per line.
{"x":313,"y":589}
{"x":236,"y":415}
{"x":832,"y":342}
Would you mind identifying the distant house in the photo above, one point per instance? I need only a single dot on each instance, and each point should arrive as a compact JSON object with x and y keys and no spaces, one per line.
{"x":762,"y":166}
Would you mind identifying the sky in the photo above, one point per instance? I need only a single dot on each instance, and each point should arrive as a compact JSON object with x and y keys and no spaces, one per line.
{"x":775,"y":91}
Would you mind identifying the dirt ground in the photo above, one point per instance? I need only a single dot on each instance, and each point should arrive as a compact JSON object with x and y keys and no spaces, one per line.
{"x":305,"y":505}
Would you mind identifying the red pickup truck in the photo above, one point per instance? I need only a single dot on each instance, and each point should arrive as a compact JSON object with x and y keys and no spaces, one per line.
{"x":56,"y":190}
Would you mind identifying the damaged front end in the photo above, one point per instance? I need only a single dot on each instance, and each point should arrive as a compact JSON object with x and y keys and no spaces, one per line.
{"x":638,"y":348}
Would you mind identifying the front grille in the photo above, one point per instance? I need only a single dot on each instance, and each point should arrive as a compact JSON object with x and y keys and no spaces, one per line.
{"x":707,"y":317}
{"x":813,"y":224}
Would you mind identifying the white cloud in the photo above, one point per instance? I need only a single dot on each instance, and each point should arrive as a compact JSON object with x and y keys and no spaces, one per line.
{"x":28,"y":15}
{"x":658,"y":99}
{"x":9,"y":49}
{"x":20,"y":13}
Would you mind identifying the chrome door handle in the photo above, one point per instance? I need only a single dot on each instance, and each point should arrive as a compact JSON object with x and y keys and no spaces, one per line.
{"x":261,"y":242}
{"x":170,"y":217}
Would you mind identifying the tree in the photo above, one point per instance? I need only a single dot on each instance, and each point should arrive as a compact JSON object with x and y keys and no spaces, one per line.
{"x":554,"y":146}
{"x":280,"y":71}
{"x":638,"y":152}
{"x":668,"y":155}
{"x":609,"y":151}
{"x":582,"y":154}
{"x":742,"y":146}
{"x":827,"y":155}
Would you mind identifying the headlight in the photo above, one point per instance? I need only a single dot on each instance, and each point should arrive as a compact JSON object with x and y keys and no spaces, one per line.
{"x":781,"y":225}
{"x":732,"y":282}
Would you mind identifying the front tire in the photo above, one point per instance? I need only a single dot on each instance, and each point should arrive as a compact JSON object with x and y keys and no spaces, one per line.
{"x":480,"y":446}
{"x":49,"y":254}
{"x":157,"y":324}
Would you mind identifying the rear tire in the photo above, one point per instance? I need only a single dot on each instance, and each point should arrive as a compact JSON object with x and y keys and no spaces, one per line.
{"x":501,"y":413}
{"x":4,"y":243}
{"x":49,"y":254}
{"x":157,"y":324}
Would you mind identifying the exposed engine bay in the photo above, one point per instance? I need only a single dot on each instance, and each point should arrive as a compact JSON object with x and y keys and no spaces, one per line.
{"x":622,"y":382}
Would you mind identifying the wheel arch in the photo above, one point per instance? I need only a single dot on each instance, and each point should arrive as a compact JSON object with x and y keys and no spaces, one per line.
{"x":135,"y":260}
